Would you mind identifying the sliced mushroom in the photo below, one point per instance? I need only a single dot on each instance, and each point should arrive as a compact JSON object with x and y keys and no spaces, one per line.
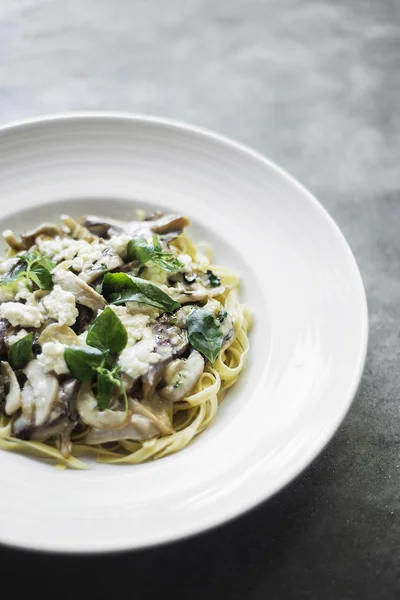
{"x":171,"y":342}
{"x":24,"y":429}
{"x":130,"y":267}
{"x":101,"y":228}
{"x":45,"y":229}
{"x":45,"y":389}
{"x":83,"y":320}
{"x":28,"y":403}
{"x":156,"y":410}
{"x":5,"y":330}
{"x":60,"y":422}
{"x":76,"y":230}
{"x":139,"y":429}
{"x":182,"y":378}
{"x":108,"y":261}
{"x":13,"y":397}
{"x":58,"y":333}
{"x":168,"y":224}
{"x":101,"y":419}
{"x":189,"y":294}
{"x":83,"y":293}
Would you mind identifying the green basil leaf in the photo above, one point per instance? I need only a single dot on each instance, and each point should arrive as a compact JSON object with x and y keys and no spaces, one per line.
{"x":119,"y":288}
{"x":139,"y":249}
{"x":107,"y":332}
{"x":143,"y":251}
{"x":105,"y":387}
{"x":20,"y":353}
{"x":205,"y":333}
{"x":167,"y":261}
{"x":41,"y":276}
{"x":82,"y":362}
{"x":47,"y":263}
{"x":156,"y":243}
{"x":35,"y":258}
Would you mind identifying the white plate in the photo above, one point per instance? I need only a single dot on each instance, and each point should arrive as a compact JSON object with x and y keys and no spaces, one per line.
{"x":308,"y":344}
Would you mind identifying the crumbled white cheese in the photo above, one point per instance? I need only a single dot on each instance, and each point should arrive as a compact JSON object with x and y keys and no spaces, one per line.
{"x":77,"y":263}
{"x":59,"y":249}
{"x":6,"y":264}
{"x":135,"y":324}
{"x":23,"y":293}
{"x":186,"y":260}
{"x":52,"y":357}
{"x":136,"y":360}
{"x":25,"y":315}
{"x":90,"y":254}
{"x":119,"y":243}
{"x":60,"y":306}
{"x":155,"y":274}
{"x":12,"y":339}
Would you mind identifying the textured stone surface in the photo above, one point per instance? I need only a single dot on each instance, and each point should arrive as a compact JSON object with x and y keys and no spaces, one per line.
{"x":314,"y":85}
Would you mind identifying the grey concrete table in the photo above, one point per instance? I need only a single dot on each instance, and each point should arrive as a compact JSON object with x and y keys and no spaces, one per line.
{"x":315,"y":85}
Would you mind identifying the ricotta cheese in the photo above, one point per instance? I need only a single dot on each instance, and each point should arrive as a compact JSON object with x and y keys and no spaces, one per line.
{"x":25,"y":315}
{"x":52,"y":358}
{"x":60,"y":306}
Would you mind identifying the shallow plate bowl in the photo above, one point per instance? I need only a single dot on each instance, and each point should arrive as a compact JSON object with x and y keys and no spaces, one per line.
{"x":308,"y":343}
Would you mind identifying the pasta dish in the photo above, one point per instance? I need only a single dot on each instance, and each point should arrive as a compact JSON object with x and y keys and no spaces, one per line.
{"x":118,"y":339}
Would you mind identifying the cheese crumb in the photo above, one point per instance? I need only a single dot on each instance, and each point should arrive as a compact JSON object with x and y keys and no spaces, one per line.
{"x":25,"y":315}
{"x":119,"y":243}
{"x":52,"y":358}
{"x":135,"y":325}
{"x":12,"y":339}
{"x":60,"y":306}
{"x":136,"y":360}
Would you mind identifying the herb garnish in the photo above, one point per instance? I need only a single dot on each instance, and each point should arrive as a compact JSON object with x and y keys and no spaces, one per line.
{"x":20,"y":352}
{"x":119,"y":288}
{"x":143,"y":251}
{"x":32,"y":268}
{"x":107,"y":335}
{"x":205,"y":333}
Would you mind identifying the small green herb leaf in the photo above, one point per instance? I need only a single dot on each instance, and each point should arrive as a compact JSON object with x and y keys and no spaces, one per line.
{"x":107,"y":332}
{"x":41,"y":276}
{"x":143,"y":251}
{"x":82,"y":362}
{"x":140,"y":249}
{"x":119,"y":288}
{"x":20,"y":353}
{"x":167,"y":262}
{"x":205,"y":333}
{"x":214,"y":280}
{"x":106,"y":383}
